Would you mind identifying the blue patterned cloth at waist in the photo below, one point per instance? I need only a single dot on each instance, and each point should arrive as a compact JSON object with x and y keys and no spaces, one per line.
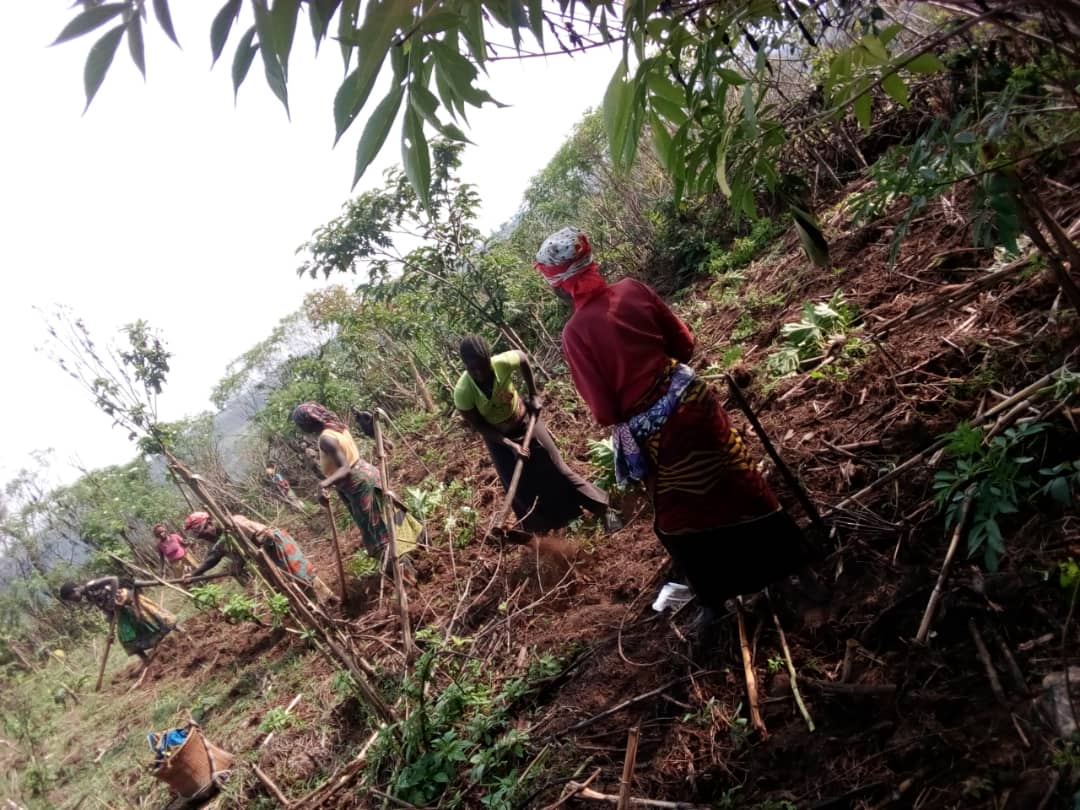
{"x":630,"y":461}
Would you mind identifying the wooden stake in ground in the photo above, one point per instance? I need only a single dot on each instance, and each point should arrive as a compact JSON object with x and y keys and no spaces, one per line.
{"x":791,"y":669}
{"x":748,"y":669}
{"x":628,"y":768}
{"x":935,"y":596}
{"x":337,"y":553}
{"x":391,"y":548}
{"x":105,"y":655}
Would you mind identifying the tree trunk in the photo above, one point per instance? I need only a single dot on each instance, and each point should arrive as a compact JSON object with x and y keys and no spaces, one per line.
{"x":421,"y":386}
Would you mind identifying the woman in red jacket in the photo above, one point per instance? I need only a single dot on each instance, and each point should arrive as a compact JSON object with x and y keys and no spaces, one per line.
{"x":628,"y":355}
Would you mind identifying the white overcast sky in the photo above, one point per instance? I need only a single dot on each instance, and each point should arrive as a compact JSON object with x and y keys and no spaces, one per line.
{"x":166,"y":202}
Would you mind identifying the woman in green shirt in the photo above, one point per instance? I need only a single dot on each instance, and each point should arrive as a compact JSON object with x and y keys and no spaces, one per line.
{"x":549,"y":494}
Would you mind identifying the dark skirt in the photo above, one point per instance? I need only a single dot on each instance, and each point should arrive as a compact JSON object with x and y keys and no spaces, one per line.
{"x":739,"y":559}
{"x":549,"y":494}
{"x":714,"y":512}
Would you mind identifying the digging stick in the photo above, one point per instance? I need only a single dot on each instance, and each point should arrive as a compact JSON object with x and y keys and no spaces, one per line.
{"x":789,"y":476}
{"x":151,"y":583}
{"x":628,"y":768}
{"x":156,"y":579}
{"x":105,"y":655}
{"x":391,"y":549}
{"x":515,"y":479}
{"x":337,"y":553}
{"x":748,"y":669}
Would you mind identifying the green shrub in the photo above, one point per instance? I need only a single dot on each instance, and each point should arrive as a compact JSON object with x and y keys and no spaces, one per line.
{"x":808,"y":338}
{"x":998,"y":475}
{"x":208,"y":596}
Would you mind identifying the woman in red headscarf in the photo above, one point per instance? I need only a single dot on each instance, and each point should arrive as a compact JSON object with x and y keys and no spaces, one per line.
{"x":627,"y":353}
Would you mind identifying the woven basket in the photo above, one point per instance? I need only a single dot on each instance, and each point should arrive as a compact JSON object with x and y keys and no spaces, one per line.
{"x":196,"y":766}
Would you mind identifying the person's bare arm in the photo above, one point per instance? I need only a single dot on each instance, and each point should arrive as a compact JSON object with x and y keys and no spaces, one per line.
{"x":533,"y":401}
{"x":473,"y":418}
{"x":332,"y":448}
{"x":213,"y":557}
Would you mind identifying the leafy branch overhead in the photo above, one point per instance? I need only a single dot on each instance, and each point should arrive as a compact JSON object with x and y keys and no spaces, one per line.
{"x":702,"y":77}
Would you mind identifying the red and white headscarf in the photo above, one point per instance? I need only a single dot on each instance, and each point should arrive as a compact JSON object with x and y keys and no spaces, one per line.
{"x":196,"y":522}
{"x":566,"y":261}
{"x":563,"y":255}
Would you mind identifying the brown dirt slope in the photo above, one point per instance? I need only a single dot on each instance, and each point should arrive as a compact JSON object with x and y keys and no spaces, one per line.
{"x":933,"y":735}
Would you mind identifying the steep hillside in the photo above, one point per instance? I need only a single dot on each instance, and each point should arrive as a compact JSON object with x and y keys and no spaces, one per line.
{"x":538,"y":659}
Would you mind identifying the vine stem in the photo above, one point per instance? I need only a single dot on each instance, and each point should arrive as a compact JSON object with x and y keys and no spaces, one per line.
{"x":791,"y":668}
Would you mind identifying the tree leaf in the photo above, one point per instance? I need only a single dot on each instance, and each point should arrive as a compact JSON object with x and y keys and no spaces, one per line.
{"x":375,"y":37}
{"x":749,"y":108}
{"x":415,"y":156}
{"x":721,"y":171}
{"x":98,"y":61}
{"x":245,"y":55}
{"x":731,"y":77}
{"x":663,"y":143}
{"x":221,"y":26}
{"x":321,"y":12}
{"x":873,"y":52}
{"x":536,"y":20}
{"x":660,"y":85}
{"x":861,"y":107}
{"x":350,"y":11}
{"x":424,"y":101}
{"x":812,"y":239}
{"x":135,"y":42}
{"x":672,"y":112}
{"x":926,"y":63}
{"x":164,"y":18}
{"x":376,"y":129}
{"x":275,"y":74}
{"x":617,"y":100}
{"x":283,"y":14}
{"x":473,"y":29}
{"x":89,"y":20}
{"x":896,"y":89}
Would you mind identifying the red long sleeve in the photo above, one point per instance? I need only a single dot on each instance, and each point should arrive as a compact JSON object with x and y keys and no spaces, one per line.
{"x":618,"y":343}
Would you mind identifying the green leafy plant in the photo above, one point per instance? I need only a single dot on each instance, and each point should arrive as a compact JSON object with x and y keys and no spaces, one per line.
{"x":279,"y":608}
{"x":745,"y":327}
{"x":458,"y":738}
{"x":276,"y":719}
{"x":239,"y":608}
{"x":998,"y":476}
{"x":739,"y":728}
{"x":602,"y":457}
{"x":342,"y":682}
{"x":809,"y":338}
{"x":460,"y":518}
{"x":202,"y":707}
{"x":208,"y":596}
{"x":362,"y":565}
{"x":1068,"y":574}
{"x":423,"y":502}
